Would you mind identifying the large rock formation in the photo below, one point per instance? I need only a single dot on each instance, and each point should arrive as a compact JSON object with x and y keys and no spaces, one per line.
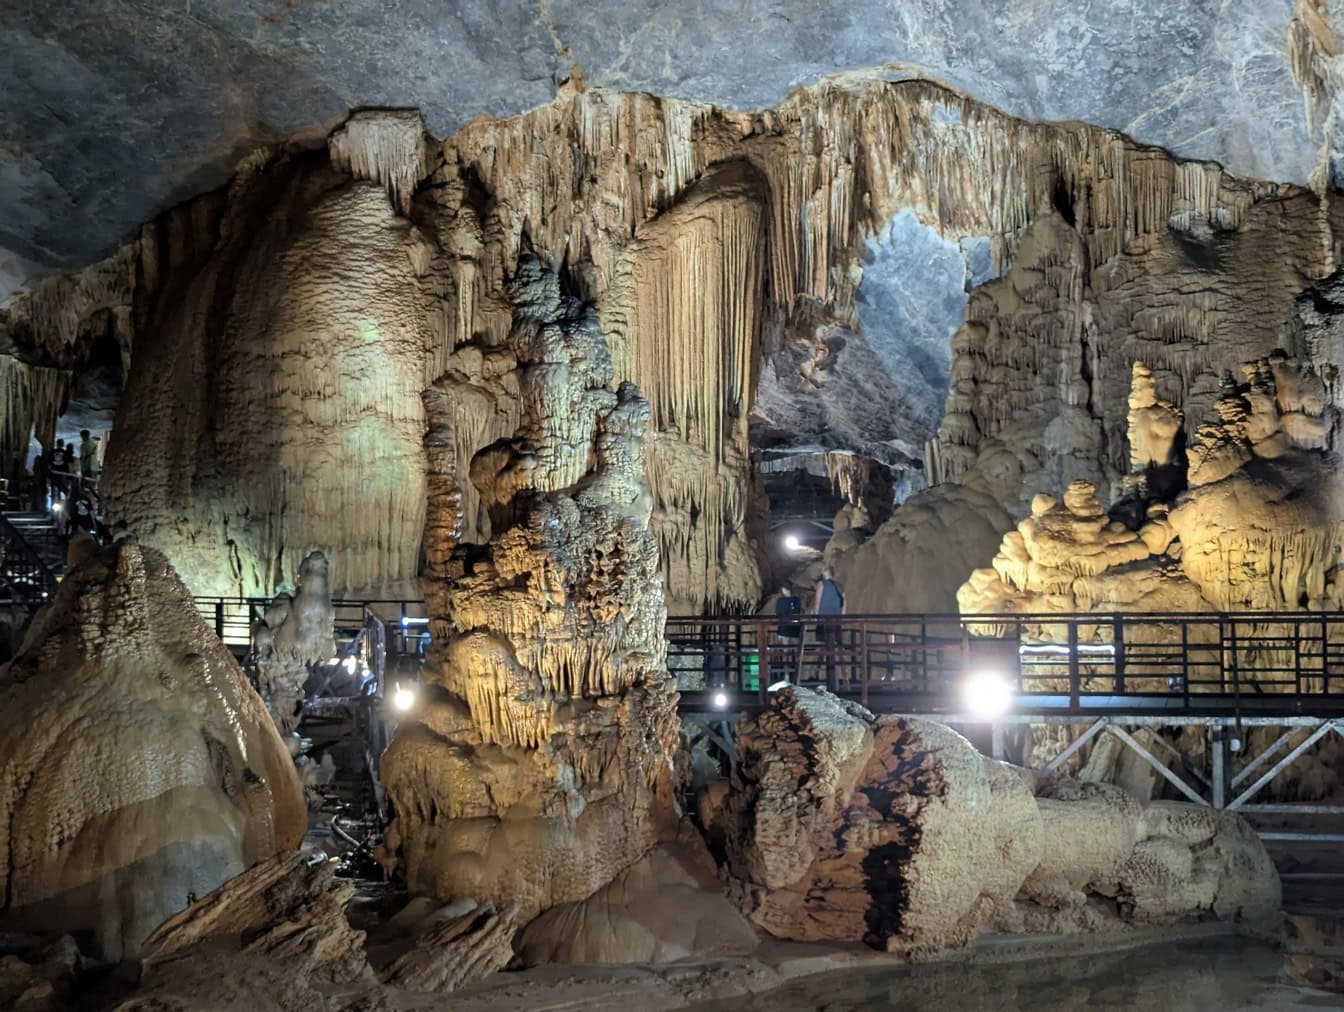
{"x":141,"y":770}
{"x":1253,"y":522}
{"x":294,"y":635}
{"x":539,"y":765}
{"x":895,"y":831}
{"x":272,"y":404}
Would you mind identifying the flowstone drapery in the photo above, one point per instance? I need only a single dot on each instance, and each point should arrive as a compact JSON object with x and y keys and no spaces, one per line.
{"x":539,"y":765}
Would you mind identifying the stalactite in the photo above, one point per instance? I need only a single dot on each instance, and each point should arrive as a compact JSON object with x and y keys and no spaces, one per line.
{"x":388,"y":147}
{"x":33,"y":398}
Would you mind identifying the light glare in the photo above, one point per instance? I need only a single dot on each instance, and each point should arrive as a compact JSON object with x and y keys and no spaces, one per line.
{"x":403,"y":699}
{"x":792,"y":543}
{"x":720,"y":700}
{"x":987,"y":694}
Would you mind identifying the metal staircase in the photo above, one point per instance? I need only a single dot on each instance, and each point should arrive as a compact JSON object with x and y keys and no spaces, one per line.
{"x":32,"y":557}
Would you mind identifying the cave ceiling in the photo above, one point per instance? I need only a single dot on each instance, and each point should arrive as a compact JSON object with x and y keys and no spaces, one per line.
{"x":114,"y":110}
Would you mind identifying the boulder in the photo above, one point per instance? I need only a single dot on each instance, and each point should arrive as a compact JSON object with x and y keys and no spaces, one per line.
{"x":667,"y":906}
{"x":145,"y":771}
{"x":891,"y":830}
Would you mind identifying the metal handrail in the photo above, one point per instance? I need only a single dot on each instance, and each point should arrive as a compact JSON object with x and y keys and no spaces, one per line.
{"x":1250,"y":660}
{"x":16,"y":543}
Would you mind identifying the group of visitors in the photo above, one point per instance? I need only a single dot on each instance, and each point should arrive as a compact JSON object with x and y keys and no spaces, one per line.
{"x":827,"y":600}
{"x":65,"y":477}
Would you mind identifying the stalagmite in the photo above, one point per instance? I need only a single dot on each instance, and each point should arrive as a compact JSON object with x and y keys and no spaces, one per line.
{"x":145,"y":769}
{"x":539,"y":766}
{"x":294,"y":636}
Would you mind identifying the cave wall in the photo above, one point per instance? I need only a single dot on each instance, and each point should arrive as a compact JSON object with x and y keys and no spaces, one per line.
{"x":712,"y":244}
{"x":273,"y":401}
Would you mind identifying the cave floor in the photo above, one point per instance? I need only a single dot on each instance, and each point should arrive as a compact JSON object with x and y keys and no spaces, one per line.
{"x":1194,"y":966}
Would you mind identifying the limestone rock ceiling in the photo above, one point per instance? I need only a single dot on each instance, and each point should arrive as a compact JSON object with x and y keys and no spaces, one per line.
{"x":115,"y":110}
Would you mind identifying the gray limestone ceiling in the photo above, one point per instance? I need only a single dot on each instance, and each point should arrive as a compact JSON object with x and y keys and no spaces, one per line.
{"x":113,"y":110}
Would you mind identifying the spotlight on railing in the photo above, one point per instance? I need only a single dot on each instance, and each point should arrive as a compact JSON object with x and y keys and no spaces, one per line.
{"x":987,"y":694}
{"x":720,"y":700}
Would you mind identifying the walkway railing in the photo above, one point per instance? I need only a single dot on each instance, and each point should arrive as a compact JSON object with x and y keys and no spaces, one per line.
{"x":1257,"y":662}
{"x":232,"y":618}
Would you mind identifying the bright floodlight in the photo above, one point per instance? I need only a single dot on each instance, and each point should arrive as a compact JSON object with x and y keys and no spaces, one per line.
{"x":403,"y":699}
{"x":987,"y":694}
{"x":792,"y":543}
{"x":720,"y":700}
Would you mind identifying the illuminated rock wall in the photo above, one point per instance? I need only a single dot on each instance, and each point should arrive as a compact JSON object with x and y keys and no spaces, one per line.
{"x":273,"y":402}
{"x":714,"y":245}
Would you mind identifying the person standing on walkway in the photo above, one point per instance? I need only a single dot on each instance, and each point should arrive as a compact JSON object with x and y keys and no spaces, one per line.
{"x":788,"y":606}
{"x":88,"y":456}
{"x":829,"y":603}
{"x":59,"y":470}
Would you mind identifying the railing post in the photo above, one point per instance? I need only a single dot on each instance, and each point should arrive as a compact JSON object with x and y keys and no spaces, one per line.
{"x":865,"y":671}
{"x":1185,"y":661}
{"x":762,"y":659}
{"x":219,"y":620}
{"x":1222,"y":654}
{"x":1119,"y":647}
{"x":1236,"y":672}
{"x":1017,"y":656}
{"x":1075,"y":686}
{"x":1325,"y":655}
{"x":1219,"y":770}
{"x":1297,"y":661}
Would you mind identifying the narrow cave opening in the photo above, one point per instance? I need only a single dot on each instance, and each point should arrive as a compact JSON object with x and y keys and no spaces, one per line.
{"x":853,"y":400}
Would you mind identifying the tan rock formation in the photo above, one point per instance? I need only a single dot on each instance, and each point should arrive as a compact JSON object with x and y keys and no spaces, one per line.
{"x":457,"y":951}
{"x":843,"y":827}
{"x":899,"y":833}
{"x":540,"y":764}
{"x":274,"y":938}
{"x":667,"y":906}
{"x":1263,"y":525}
{"x":273,"y":403}
{"x":294,"y":634}
{"x":1071,"y":557}
{"x":1259,"y":528}
{"x":145,"y":771}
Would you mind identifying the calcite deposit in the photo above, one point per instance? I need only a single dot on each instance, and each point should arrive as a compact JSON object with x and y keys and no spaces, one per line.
{"x":1246,"y":517}
{"x":539,"y":765}
{"x":140,"y":770}
{"x":717,"y":247}
{"x":897,"y":832}
{"x":293,"y":637}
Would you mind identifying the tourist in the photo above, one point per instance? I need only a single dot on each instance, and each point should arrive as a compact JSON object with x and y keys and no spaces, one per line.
{"x":790,"y":633}
{"x":82,"y":517}
{"x":37,"y":489}
{"x":88,"y":454}
{"x":59,"y":471}
{"x":829,"y":601}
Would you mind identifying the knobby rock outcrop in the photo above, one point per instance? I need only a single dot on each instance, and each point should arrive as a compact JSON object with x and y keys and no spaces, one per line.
{"x":539,"y":765}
